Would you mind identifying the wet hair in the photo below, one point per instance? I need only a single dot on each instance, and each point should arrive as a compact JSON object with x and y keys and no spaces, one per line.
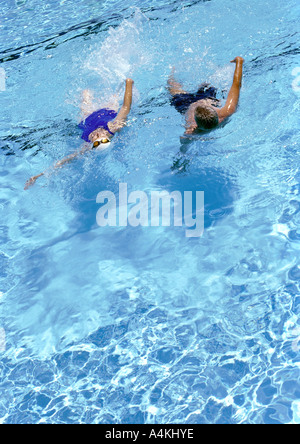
{"x":206,"y":117}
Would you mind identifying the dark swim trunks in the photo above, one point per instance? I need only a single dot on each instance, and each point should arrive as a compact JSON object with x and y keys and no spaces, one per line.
{"x":99,"y":119}
{"x":183,"y":101}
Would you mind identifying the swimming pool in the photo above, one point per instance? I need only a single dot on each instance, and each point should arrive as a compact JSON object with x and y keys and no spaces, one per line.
{"x":142,"y":324}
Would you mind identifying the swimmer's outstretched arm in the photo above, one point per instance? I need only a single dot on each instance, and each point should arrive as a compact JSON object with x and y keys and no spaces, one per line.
{"x":119,"y":122}
{"x":59,"y":164}
{"x":234,"y":93}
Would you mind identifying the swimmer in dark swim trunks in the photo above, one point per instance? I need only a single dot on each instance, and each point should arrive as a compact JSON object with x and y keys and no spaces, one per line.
{"x":98,"y":127}
{"x":202,"y":109}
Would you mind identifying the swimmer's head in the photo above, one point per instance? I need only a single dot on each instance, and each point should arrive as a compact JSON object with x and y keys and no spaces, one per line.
{"x":99,"y":133}
{"x":206,"y":117}
{"x":102,"y":143}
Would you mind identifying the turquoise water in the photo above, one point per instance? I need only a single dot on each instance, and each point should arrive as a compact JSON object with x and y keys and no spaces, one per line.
{"x":141,"y":324}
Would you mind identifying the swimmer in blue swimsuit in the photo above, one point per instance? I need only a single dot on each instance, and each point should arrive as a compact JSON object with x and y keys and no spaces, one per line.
{"x":97,"y":127}
{"x":202,"y":109}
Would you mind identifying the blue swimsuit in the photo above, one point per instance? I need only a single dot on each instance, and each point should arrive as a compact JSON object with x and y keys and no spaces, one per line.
{"x":183,"y":101}
{"x":99,"y":119}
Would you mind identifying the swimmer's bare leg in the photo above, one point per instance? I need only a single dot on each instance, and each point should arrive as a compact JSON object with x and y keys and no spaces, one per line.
{"x":204,"y":85}
{"x":113,"y":102}
{"x":174,"y":87}
{"x":87,"y":106}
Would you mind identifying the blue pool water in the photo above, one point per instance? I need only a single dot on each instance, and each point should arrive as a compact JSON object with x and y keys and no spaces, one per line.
{"x":142,"y":324}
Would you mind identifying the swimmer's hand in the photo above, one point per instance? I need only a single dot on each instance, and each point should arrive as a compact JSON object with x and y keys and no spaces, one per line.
{"x":129,"y":81}
{"x":237,"y":60}
{"x":31,"y":181}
